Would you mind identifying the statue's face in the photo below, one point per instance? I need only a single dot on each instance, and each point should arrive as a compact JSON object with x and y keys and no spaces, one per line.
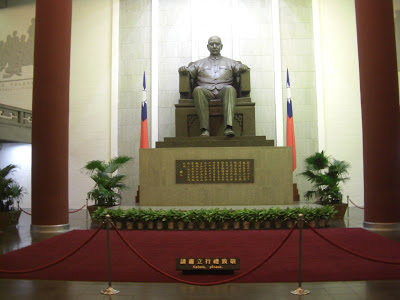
{"x":214,"y":46}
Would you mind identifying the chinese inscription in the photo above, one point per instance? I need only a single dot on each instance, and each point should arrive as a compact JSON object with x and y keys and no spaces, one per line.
{"x":215,"y":171}
{"x":223,"y":264}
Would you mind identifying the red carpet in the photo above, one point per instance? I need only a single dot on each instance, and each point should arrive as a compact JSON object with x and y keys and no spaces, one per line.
{"x":321,"y":260}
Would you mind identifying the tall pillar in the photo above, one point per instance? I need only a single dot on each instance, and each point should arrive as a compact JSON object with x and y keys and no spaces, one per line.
{"x":380,"y":113}
{"x":50,"y":110}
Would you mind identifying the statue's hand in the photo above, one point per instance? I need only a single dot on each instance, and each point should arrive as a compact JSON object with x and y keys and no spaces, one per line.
{"x":183,"y":70}
{"x":243,"y":68}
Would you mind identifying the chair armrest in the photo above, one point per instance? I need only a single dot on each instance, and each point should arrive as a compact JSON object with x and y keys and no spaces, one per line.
{"x":244,"y":85}
{"x":184,"y":86}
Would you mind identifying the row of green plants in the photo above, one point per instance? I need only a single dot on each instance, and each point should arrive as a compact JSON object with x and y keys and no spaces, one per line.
{"x":213,"y":218}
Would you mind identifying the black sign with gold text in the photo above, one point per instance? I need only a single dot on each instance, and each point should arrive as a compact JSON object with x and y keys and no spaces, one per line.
{"x":208,"y":264}
{"x":215,"y":171}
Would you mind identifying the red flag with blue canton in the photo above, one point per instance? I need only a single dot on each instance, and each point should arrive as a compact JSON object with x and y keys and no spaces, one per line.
{"x":290,"y":140}
{"x":144,"y":139}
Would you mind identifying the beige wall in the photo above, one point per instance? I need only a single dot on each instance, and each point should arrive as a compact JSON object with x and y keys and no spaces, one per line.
{"x":341,"y":86}
{"x":90,"y":80}
{"x":297,"y":50}
{"x":135,"y":57}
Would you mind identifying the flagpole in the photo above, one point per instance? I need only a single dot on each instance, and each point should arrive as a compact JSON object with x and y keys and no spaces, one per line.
{"x":290,"y":139}
{"x":144,"y":137}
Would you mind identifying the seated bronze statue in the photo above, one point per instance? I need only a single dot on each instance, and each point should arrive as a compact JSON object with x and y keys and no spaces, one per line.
{"x":215,"y":78}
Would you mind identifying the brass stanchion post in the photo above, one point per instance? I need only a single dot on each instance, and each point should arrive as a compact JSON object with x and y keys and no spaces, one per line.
{"x":109,"y":290}
{"x":299,"y":291}
{"x":87,"y":214}
{"x":348,"y":212}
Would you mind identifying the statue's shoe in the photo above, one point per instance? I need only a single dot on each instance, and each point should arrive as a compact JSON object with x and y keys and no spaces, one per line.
{"x":205,"y":133}
{"x":229,"y":132}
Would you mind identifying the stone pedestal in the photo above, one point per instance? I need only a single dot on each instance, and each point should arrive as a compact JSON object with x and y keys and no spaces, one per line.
{"x":188,"y":125}
{"x":273,"y":184}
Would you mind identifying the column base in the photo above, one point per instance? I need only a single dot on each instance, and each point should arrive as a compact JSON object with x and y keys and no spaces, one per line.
{"x":388,"y":230}
{"x":381,"y":226}
{"x":49,"y":228}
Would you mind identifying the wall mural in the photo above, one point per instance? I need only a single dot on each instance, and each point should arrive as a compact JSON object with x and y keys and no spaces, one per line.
{"x":16,"y":67}
{"x":16,"y":53}
{"x":397,"y":32}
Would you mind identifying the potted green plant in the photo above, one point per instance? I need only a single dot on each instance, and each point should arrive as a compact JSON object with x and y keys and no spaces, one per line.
{"x":10,"y":194}
{"x":141,"y":218}
{"x":149,"y":216}
{"x":256,"y":217}
{"x":266,"y":217}
{"x":170,"y":216}
{"x":202,"y":218}
{"x":160,"y":219}
{"x":179,"y":219}
{"x":310,"y":215}
{"x":236,"y":218}
{"x":224,"y":216}
{"x":290,"y":216}
{"x":211,"y":217}
{"x":108,"y":183}
{"x":195,"y":216}
{"x":326,"y":174}
{"x":326,"y":214}
{"x":131,"y":217}
{"x":277,"y":216}
{"x":187,"y":220}
{"x":99,"y":215}
{"x":118,"y":216}
{"x":245,"y":217}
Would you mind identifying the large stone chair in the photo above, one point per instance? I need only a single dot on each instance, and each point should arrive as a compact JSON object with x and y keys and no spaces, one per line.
{"x":186,"y":119}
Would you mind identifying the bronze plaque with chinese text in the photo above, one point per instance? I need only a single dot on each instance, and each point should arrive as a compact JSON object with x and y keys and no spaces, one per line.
{"x":215,"y":171}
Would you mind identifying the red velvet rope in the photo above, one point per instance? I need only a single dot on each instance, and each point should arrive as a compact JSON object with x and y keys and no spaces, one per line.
{"x":70,"y":212}
{"x":356,"y":204}
{"x":57,"y":261}
{"x":25,"y":211}
{"x":350,"y":251}
{"x":201,"y":283}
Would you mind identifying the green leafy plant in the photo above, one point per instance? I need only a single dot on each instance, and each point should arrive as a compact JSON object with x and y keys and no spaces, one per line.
{"x":108,"y":183}
{"x":172,"y":215}
{"x":201,"y":215}
{"x":186,"y":216}
{"x":256,"y":215}
{"x":326,"y":174}
{"x":179,"y":215}
{"x":265,"y":214}
{"x":10,"y":191}
{"x":236,"y":215}
{"x":117,"y":214}
{"x":141,"y":215}
{"x":224,"y":215}
{"x":309,"y":213}
{"x":100,"y":214}
{"x":160,"y":215}
{"x":277,"y":214}
{"x":131,"y":215}
{"x":149,"y":215}
{"x":244,"y":214}
{"x":211,"y":215}
{"x":327,"y":212}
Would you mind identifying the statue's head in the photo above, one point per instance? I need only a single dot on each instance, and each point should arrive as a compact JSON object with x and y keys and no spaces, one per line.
{"x":214,"y":45}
